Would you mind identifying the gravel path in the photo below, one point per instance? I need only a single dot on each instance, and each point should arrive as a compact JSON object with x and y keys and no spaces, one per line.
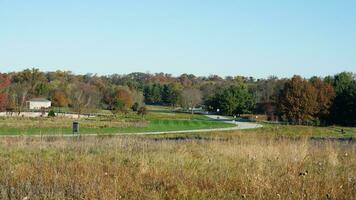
{"x":240,"y":124}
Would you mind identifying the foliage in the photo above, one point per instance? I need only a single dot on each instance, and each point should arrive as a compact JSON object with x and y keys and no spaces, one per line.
{"x":142,"y":111}
{"x":232,"y":100}
{"x":4,"y":83}
{"x":153,"y":93}
{"x":298,"y":100}
{"x":124,"y":96}
{"x":51,"y":113}
{"x":344,"y":107}
{"x":90,"y":91}
{"x":190,"y":98}
{"x":135,"y":107}
{"x":60,"y":99}
{"x":342,"y":80}
{"x":83,"y":97}
{"x":325,"y":97}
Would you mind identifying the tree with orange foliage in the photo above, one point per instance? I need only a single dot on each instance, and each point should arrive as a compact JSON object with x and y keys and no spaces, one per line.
{"x":60,"y":99}
{"x":325,"y":96}
{"x":123,"y":99}
{"x":298,"y":101}
{"x":4,"y":83}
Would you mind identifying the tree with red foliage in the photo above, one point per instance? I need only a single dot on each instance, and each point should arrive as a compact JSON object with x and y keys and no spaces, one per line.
{"x":4,"y":83}
{"x":325,"y":96}
{"x":298,"y":101}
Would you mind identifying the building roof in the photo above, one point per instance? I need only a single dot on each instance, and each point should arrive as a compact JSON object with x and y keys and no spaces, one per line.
{"x":39,"y":100}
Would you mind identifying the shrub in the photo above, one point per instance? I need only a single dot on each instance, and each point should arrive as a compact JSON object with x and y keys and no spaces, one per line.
{"x":135,"y":107}
{"x":51,"y":113}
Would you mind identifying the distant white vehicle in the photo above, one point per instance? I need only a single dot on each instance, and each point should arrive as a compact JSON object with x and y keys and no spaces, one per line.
{"x":38,"y":103}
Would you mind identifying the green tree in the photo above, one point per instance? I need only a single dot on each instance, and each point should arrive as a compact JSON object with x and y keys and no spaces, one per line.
{"x":153,"y":93}
{"x":342,"y":81}
{"x":232,"y":100}
{"x":171,"y":94}
{"x":344,"y":107}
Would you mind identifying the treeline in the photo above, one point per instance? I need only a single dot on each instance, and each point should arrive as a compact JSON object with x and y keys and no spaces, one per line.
{"x":327,"y":100}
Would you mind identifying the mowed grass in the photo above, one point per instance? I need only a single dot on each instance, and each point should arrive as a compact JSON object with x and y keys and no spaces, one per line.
{"x":128,"y":123}
{"x":328,"y":132}
{"x":241,"y":165}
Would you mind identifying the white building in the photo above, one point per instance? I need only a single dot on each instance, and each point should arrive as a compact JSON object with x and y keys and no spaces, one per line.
{"x":38,"y":103}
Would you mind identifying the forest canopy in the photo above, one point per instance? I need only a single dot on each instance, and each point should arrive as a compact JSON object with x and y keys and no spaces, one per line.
{"x":321,"y":100}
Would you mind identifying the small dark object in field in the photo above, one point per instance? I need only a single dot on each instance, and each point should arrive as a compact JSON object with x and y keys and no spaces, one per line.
{"x":328,"y":196}
{"x":51,"y":113}
{"x":342,"y":131}
{"x":303,"y":173}
{"x":75,"y":127}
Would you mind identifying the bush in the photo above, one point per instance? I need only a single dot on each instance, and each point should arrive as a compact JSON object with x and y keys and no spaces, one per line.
{"x":51,"y":113}
{"x":135,"y":106}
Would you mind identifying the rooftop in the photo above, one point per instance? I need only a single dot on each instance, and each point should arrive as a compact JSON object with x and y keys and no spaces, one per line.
{"x":39,"y":100}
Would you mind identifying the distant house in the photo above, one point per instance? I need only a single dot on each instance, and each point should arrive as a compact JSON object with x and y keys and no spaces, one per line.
{"x":38,"y":103}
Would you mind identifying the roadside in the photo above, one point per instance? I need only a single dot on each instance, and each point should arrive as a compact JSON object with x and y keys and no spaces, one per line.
{"x":240,"y":124}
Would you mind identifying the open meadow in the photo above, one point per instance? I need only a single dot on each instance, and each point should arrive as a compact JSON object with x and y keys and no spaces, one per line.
{"x":254,"y":164}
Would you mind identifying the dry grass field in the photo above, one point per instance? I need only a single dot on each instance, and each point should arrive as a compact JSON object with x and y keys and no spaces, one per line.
{"x":237,"y":165}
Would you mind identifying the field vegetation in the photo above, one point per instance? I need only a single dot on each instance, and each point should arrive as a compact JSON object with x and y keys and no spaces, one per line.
{"x":111,"y":124}
{"x":234,"y":165}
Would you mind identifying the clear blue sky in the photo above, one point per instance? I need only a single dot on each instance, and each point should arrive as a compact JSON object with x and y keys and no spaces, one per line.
{"x":224,"y":37}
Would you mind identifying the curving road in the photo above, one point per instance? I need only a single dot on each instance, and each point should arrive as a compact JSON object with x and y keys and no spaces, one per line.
{"x":240,"y":124}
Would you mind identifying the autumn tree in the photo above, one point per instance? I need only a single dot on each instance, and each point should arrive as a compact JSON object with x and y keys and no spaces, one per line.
{"x":84,"y":97}
{"x":4,"y":83}
{"x":60,"y":99}
{"x":36,"y":82}
{"x":123,"y":99}
{"x":325,"y":95}
{"x":298,"y":101}
{"x":190,"y":98}
{"x":137,"y":98}
{"x":18,"y":95}
{"x":119,"y":98}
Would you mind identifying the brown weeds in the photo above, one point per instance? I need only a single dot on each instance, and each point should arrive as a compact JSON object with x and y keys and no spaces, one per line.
{"x":243,"y":167}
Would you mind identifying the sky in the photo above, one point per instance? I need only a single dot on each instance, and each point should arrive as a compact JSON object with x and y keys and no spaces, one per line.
{"x":203,"y":37}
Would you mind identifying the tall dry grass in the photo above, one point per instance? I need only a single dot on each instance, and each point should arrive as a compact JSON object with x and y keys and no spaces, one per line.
{"x":243,"y":167}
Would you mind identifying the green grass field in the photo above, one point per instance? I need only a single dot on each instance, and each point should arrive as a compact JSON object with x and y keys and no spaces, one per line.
{"x":128,"y":123}
{"x":307,"y":131}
